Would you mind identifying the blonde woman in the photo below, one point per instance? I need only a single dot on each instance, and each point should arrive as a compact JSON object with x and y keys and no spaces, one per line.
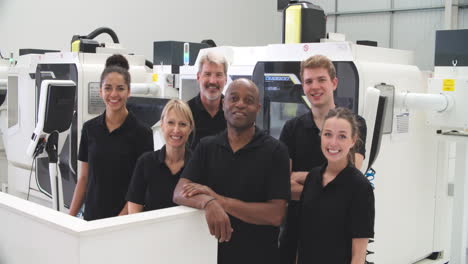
{"x":157,"y":173}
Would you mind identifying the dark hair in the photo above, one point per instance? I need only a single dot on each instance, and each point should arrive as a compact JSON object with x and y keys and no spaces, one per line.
{"x":118,"y":64}
{"x":117,"y":60}
{"x":346,"y":114}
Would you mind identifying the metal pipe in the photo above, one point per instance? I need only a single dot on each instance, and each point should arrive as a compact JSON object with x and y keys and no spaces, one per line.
{"x":435,"y":102}
{"x":144,"y":89}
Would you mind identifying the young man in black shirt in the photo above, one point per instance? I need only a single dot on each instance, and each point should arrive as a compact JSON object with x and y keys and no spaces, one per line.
{"x":207,"y":108}
{"x":302,"y":137}
{"x":241,"y":178}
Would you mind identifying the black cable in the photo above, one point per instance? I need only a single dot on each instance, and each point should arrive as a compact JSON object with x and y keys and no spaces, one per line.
{"x":37,"y":180}
{"x":56,"y":186}
{"x":40,"y":190}
{"x":39,"y":149}
{"x":102,"y":30}
{"x":29,"y":182}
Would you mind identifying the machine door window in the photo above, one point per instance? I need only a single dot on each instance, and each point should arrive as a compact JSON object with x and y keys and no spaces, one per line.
{"x":283,"y":98}
{"x":281,"y":112}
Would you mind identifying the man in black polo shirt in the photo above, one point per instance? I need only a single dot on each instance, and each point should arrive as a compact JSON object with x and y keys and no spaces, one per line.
{"x":241,"y":178}
{"x":302,"y":137}
{"x":207,"y":107}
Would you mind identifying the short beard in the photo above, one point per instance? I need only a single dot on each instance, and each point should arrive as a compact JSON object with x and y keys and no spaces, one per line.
{"x":212,"y":98}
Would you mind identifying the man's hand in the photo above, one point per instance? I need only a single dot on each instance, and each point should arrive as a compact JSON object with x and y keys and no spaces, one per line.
{"x":192,"y":189}
{"x":218,"y":221}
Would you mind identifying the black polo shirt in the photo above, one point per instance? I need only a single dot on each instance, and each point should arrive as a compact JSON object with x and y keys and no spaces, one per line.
{"x":153,"y":183}
{"x":258,"y":172}
{"x":302,"y":137}
{"x":333,"y":215}
{"x":205,"y":125}
{"x":111,"y":158}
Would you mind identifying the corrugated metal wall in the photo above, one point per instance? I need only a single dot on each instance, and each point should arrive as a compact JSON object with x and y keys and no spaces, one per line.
{"x":416,"y":31}
{"x":366,"y":27}
{"x":361,"y":5}
{"x":417,"y":3}
{"x":412,"y":29}
{"x":463,"y":18}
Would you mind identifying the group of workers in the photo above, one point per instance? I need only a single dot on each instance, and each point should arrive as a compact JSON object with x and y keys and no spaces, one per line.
{"x":250,"y":185}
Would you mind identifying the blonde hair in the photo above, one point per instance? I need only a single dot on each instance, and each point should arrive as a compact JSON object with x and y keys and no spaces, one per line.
{"x":179,"y":107}
{"x":319,"y":61}
{"x":212,"y":57}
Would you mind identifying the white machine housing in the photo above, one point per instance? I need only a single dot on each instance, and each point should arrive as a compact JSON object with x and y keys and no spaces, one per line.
{"x":22,"y":97}
{"x":452,"y":82}
{"x":4,"y":66}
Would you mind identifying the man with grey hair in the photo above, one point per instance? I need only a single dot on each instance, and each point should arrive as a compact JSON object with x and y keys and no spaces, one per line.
{"x":207,"y":107}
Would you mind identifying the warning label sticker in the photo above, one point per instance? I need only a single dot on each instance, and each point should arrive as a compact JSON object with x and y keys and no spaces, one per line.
{"x":448,"y":85}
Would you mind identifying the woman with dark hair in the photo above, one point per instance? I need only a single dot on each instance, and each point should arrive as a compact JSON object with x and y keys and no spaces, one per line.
{"x":337,"y":216}
{"x":109,"y":148}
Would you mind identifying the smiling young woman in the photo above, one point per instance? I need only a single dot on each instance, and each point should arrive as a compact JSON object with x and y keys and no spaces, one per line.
{"x":109,"y":148}
{"x":337,"y":216}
